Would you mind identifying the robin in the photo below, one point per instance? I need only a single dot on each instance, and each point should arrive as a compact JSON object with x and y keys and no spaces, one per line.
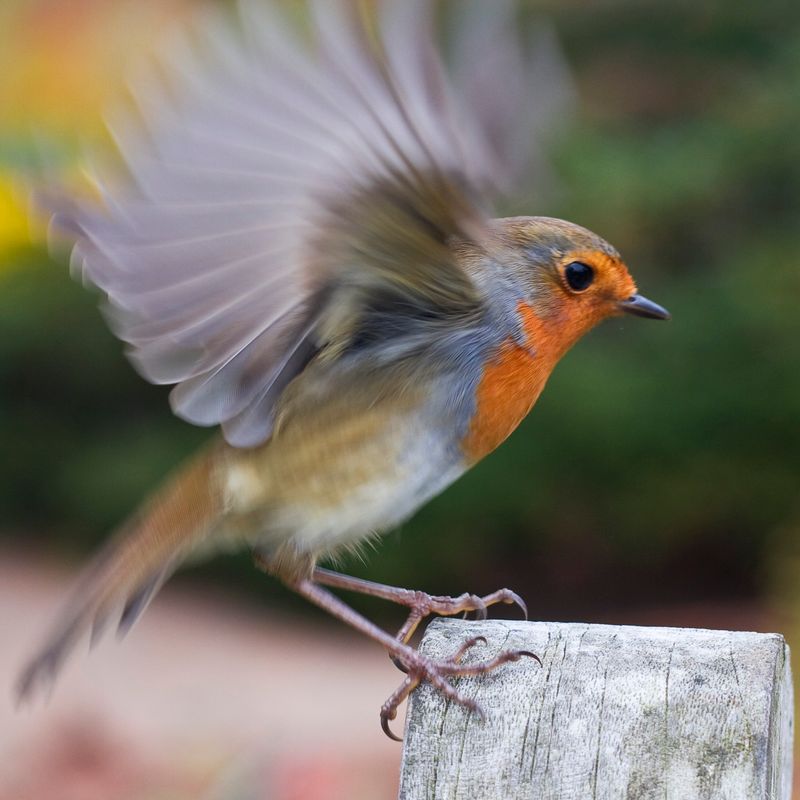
{"x":301,"y":247}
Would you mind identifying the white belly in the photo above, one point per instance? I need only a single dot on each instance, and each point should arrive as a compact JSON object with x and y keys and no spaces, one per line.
{"x":379,"y":504}
{"x":323,"y":494}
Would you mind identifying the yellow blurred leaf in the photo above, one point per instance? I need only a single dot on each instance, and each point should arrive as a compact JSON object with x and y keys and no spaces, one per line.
{"x":15,"y":229}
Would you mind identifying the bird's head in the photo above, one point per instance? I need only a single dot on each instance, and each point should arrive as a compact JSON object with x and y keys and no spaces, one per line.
{"x":571,"y":278}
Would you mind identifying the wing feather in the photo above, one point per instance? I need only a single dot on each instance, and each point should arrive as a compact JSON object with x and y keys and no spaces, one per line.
{"x":271,"y":181}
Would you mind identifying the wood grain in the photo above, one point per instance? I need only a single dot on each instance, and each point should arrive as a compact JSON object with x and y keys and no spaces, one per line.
{"x":614,"y":712}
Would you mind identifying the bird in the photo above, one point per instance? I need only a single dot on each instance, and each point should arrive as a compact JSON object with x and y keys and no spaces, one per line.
{"x":298,"y":237}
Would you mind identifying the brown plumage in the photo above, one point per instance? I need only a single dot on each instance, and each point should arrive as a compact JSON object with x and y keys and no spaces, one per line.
{"x":304,"y":252}
{"x":120,"y":582}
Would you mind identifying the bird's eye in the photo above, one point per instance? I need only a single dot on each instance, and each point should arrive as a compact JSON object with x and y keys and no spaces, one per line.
{"x":579,"y":276}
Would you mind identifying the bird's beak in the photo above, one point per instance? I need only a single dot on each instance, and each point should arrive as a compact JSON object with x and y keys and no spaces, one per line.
{"x":642,"y":307}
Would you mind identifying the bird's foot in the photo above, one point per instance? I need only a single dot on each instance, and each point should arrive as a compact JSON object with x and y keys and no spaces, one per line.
{"x":420,"y":668}
{"x":420,"y":604}
{"x":423,"y":605}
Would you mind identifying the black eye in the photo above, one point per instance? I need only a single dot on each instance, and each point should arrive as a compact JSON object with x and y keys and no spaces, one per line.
{"x":579,"y":276}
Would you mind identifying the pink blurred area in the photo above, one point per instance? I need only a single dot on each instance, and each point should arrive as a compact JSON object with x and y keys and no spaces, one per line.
{"x":204,"y":699}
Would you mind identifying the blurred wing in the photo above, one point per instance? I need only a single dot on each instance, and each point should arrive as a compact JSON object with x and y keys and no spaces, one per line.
{"x":270,"y":180}
{"x":538,"y":92}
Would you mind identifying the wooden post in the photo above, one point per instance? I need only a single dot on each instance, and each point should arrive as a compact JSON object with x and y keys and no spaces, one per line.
{"x":615,"y":712}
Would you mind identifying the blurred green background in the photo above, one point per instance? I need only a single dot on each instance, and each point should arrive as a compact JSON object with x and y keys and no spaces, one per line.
{"x":656,"y":480}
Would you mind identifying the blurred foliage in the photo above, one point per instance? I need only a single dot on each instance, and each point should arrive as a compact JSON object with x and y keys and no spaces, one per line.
{"x":664,"y":453}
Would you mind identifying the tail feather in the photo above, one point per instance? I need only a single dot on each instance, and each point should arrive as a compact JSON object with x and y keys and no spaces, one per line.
{"x":122,"y":580}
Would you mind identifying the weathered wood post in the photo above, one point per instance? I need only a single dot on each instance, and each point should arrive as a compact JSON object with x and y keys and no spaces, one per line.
{"x":615,"y":712}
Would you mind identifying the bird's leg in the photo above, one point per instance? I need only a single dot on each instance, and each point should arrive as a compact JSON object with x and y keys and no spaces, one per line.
{"x":305,"y":579}
{"x":417,"y":666}
{"x":421,"y":604}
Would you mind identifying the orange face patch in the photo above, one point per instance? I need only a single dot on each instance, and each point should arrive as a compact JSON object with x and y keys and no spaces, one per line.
{"x":510,"y":385}
{"x":612,"y":276}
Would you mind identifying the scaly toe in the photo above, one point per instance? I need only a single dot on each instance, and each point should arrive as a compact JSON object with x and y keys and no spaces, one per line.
{"x":419,"y":668}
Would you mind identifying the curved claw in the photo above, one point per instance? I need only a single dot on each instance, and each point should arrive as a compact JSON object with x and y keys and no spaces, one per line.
{"x":398,"y":663}
{"x":528,"y":653}
{"x":516,"y":600}
{"x":476,"y":710}
{"x":387,"y":730}
{"x":466,"y":647}
{"x":480,"y":609}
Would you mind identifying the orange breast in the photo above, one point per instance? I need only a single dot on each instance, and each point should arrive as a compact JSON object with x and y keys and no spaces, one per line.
{"x":510,"y":385}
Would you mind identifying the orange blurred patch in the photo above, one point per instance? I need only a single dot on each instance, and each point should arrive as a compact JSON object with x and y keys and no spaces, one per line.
{"x":61,"y":63}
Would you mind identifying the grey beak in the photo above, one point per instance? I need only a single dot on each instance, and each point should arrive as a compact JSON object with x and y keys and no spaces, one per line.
{"x":642,"y":307}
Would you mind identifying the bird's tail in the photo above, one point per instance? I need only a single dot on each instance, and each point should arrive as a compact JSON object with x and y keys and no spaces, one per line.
{"x":118,"y":585}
